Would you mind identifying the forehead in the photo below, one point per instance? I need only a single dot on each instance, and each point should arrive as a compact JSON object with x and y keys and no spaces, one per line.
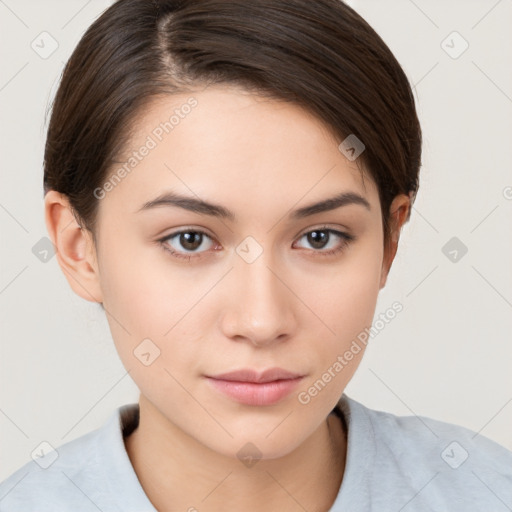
{"x":227,"y":145}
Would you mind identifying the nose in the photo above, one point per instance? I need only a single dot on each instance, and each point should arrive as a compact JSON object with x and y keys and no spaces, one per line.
{"x":258,"y":306}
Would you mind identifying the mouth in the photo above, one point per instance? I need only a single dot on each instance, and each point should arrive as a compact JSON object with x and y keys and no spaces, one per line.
{"x":251,"y":387}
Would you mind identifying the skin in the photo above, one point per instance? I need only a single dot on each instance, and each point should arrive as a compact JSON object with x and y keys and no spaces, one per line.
{"x":292,"y":307}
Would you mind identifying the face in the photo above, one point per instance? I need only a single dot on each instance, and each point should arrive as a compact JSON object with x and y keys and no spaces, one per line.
{"x":256,"y":281}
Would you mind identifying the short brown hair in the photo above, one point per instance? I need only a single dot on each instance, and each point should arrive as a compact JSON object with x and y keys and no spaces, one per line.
{"x":318,"y":54}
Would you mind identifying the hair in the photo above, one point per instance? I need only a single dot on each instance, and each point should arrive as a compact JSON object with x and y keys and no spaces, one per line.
{"x":319,"y":55}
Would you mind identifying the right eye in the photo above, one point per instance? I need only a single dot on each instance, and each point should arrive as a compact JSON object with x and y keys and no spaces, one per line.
{"x":188,"y":239}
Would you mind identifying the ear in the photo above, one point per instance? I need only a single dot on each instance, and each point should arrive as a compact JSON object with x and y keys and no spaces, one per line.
{"x":398,"y":214}
{"x":76,"y":253}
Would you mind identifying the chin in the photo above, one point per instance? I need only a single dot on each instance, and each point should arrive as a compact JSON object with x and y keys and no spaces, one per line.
{"x":250,"y":445}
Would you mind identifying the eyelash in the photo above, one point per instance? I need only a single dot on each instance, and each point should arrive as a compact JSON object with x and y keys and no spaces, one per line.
{"x":346,"y":239}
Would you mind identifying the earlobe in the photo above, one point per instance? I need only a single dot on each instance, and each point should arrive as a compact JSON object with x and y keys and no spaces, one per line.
{"x":74,"y":246}
{"x":398,"y":214}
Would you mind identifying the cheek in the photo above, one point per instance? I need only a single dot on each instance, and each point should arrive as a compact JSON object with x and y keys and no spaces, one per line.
{"x":152,"y":308}
{"x":138,"y":302}
{"x":346,"y":305}
{"x":345,"y":296}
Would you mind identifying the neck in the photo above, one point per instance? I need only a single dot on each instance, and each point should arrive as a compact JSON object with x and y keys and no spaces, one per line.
{"x":179,"y":473}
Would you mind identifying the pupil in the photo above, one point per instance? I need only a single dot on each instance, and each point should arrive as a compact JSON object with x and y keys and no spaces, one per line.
{"x":189,"y":240}
{"x":314,"y":237}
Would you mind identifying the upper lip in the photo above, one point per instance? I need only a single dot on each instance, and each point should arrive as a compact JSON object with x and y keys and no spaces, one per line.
{"x":249,"y":375}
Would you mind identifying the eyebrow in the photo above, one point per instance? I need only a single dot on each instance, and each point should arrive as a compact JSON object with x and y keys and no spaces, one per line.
{"x":172,"y":199}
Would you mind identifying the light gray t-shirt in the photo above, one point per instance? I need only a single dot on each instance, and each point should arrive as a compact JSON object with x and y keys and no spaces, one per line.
{"x":394,"y":463}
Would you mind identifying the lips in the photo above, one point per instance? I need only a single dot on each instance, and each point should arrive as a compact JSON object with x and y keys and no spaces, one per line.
{"x":252,"y":387}
{"x":249,"y":375}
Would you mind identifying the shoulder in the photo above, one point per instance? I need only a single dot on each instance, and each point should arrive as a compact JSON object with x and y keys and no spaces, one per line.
{"x":65,"y":478}
{"x":51,"y":477}
{"x":418,"y":435}
{"x":431,"y":461}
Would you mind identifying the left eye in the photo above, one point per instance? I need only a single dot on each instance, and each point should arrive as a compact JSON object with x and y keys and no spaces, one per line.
{"x":320,"y":239}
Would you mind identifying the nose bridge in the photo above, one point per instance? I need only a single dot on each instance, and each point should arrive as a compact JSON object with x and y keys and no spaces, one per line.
{"x":260,"y":306}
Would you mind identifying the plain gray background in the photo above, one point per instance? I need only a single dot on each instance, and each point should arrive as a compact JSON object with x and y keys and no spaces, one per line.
{"x":447,"y":355}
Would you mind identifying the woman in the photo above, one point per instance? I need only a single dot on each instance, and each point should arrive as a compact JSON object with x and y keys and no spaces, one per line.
{"x":229,"y":179}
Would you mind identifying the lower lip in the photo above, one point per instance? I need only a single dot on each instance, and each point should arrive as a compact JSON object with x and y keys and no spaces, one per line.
{"x":251,"y":393}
